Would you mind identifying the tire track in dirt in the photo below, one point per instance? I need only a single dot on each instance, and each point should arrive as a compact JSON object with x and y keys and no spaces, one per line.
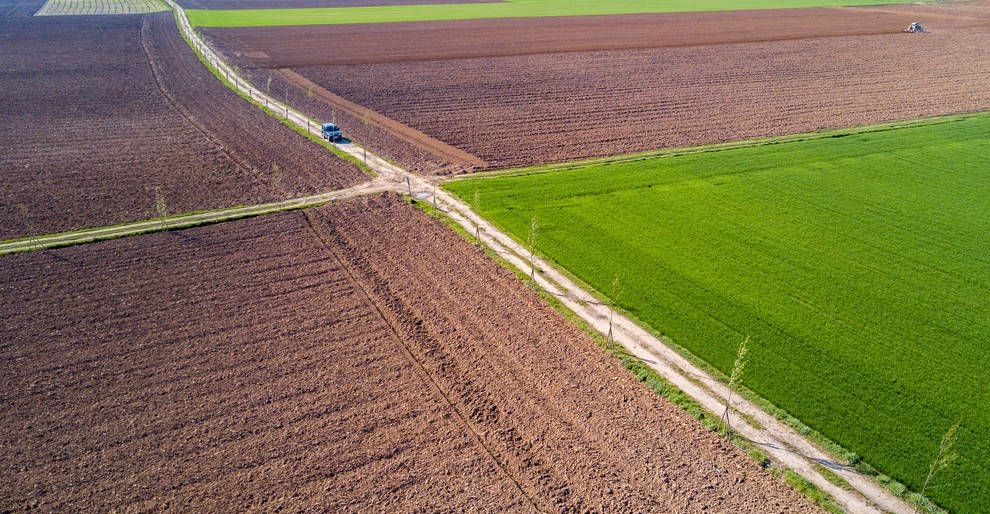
{"x":262,"y":362}
{"x":363,"y":285}
{"x":556,"y":432}
{"x":403,"y":132}
{"x":180,"y":109}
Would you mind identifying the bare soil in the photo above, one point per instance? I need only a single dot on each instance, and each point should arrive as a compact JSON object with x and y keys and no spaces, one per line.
{"x":381,"y":135}
{"x":98,"y":111}
{"x":688,"y":79}
{"x":19,"y":8}
{"x":355,"y":358}
{"x":292,"y":47}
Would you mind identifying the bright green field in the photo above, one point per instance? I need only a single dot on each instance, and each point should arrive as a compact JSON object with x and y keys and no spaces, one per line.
{"x":858,"y":265}
{"x":506,"y":9}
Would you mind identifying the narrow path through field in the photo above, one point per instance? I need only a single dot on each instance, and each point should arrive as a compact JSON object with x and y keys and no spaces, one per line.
{"x":782,"y":443}
{"x":179,"y":221}
{"x":778,"y":440}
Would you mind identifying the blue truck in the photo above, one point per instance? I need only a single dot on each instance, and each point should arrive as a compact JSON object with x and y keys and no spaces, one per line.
{"x":331,"y":132}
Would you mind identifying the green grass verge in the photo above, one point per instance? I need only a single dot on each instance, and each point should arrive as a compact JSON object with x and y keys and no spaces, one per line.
{"x":274,"y":114}
{"x":856,"y":263}
{"x":506,"y":9}
{"x":643,"y":372}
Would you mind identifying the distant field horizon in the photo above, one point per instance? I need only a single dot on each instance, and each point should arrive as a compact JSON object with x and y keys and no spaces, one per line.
{"x":507,"y":9}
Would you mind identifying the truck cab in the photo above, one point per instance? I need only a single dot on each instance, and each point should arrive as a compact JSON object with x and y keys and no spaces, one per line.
{"x":331,"y":132}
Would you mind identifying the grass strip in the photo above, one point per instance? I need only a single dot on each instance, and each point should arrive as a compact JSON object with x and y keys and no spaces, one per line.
{"x":854,"y":261}
{"x":643,"y":372}
{"x":267,"y":110}
{"x":504,"y":9}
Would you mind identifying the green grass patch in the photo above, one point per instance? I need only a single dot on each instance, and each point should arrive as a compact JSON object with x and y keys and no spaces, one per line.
{"x":274,"y":114}
{"x":643,"y":372}
{"x":857,"y":264}
{"x":506,"y":9}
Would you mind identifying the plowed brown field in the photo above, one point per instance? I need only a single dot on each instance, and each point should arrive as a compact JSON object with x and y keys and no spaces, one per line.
{"x":352,"y":359}
{"x":290,"y":47}
{"x":96,"y":112}
{"x":655,"y":81}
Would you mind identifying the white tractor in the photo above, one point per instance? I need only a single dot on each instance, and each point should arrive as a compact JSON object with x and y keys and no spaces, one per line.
{"x":914,"y":28}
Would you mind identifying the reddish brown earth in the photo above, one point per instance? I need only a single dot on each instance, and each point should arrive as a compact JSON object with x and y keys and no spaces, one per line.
{"x":702,"y":81}
{"x":96,"y":112}
{"x":356,"y":358}
{"x":287,"y":4}
{"x":291,"y":47}
{"x":381,"y":135}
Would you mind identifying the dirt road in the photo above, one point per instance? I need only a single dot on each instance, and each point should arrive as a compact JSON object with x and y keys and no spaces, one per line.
{"x":782,"y":443}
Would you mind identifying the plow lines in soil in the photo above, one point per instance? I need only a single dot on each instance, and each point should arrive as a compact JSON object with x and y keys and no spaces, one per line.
{"x":504,"y":9}
{"x":856,"y":264}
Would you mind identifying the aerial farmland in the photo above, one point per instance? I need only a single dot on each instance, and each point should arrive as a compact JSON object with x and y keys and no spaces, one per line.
{"x":567,"y":256}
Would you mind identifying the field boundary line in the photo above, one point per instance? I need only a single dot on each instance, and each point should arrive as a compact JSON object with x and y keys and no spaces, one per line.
{"x":412,"y":357}
{"x":781,"y":442}
{"x":183,"y":112}
{"x":720,"y":147}
{"x":398,"y":129}
{"x":180,"y":221}
{"x":784,"y":444}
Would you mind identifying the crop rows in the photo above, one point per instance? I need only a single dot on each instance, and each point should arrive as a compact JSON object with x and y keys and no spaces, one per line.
{"x":91,"y":135}
{"x":300,"y":46}
{"x":557,"y":107}
{"x":857,"y":266}
{"x":74,"y":7}
{"x":353,"y":358}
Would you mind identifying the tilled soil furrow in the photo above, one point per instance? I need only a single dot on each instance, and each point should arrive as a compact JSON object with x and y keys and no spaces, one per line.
{"x":245,"y":406}
{"x":171,"y":131}
{"x":556,"y":443}
{"x":524,"y":391}
{"x":541,"y":106}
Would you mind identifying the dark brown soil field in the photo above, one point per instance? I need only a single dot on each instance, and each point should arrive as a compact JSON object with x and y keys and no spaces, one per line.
{"x":287,"y":4}
{"x":291,"y":47}
{"x":705,"y":81}
{"x":358,"y":358}
{"x":96,"y":112}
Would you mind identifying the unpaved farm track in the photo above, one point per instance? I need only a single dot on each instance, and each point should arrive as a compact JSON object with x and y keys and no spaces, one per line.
{"x":75,"y":159}
{"x":442,"y":151}
{"x":353,"y":358}
{"x":727,"y":84}
{"x":374,"y":131}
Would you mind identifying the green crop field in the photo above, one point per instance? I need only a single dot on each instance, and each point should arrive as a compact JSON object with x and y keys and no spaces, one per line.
{"x":506,"y":9}
{"x":858,"y":265}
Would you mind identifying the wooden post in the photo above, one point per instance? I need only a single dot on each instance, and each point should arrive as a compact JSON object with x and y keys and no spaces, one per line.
{"x":610,"y":313}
